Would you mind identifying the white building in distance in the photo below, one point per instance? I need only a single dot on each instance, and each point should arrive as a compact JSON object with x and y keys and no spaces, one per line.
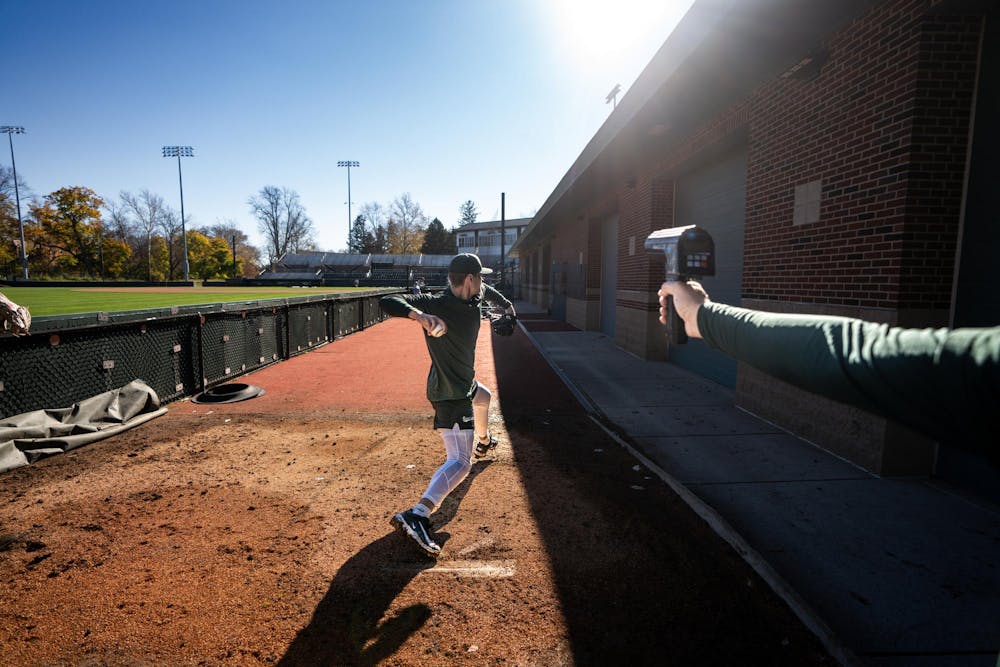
{"x":483,"y":239}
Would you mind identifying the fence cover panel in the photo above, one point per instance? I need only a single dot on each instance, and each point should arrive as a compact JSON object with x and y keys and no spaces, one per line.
{"x":27,"y":437}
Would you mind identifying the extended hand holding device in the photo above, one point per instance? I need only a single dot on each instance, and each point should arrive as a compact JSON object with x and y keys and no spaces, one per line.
{"x":689,"y":253}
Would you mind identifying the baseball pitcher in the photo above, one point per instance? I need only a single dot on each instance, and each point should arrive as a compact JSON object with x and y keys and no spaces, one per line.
{"x":451,"y":321}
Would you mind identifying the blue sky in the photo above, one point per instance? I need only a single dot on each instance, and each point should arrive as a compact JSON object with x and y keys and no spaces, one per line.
{"x":446,"y":100}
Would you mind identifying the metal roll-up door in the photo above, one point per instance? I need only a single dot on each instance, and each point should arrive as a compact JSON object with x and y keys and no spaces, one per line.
{"x":609,"y":275}
{"x":714,"y":198}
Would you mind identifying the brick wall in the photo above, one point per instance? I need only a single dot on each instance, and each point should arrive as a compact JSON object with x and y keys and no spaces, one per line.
{"x":949,"y":50}
{"x":644,"y":207}
{"x":888,"y":143}
{"x":884,"y":126}
{"x":638,"y":330}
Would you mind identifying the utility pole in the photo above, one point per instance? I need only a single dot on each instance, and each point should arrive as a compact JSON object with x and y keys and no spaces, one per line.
{"x":503,"y":238}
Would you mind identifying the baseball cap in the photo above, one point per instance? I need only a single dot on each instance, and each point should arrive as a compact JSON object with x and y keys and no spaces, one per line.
{"x":467,"y":263}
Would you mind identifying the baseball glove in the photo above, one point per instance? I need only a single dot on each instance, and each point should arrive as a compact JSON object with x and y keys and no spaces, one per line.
{"x":16,"y":319}
{"x":503,"y":325}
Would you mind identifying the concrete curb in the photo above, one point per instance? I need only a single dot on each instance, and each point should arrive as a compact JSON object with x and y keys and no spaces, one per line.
{"x":722,"y":528}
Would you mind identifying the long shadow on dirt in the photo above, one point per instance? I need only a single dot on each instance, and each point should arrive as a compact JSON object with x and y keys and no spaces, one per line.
{"x":345,"y":629}
{"x":641,"y":579}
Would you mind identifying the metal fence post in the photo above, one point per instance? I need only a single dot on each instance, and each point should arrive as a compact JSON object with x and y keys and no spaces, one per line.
{"x":329,"y":320}
{"x":201,"y":352}
{"x":288,"y":331}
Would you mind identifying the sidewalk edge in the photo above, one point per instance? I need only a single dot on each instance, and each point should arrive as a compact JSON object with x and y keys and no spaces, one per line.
{"x":805,"y":613}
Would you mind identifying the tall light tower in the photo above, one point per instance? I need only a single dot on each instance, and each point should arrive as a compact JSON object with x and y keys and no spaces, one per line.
{"x":179,"y":152}
{"x":350,"y":221}
{"x":11,"y":130}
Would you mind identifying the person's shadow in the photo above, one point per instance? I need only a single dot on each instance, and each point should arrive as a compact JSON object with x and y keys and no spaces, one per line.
{"x":345,"y":629}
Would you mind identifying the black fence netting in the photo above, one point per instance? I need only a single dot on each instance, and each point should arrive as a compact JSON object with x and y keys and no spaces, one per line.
{"x":346,"y":318}
{"x":177,"y":351}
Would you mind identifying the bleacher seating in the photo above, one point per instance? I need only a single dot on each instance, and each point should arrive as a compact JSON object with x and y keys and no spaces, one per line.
{"x":368,"y":270}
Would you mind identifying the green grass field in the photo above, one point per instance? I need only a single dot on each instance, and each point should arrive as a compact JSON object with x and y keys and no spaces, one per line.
{"x":66,"y":300}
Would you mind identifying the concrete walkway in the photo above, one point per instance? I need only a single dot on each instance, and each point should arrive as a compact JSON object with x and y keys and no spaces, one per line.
{"x":902,"y":571}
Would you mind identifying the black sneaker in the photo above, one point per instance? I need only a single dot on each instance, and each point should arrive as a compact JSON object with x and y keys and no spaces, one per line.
{"x":484,"y":448}
{"x":419,"y":530}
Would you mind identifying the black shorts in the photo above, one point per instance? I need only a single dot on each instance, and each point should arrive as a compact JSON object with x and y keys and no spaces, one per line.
{"x":449,"y":413}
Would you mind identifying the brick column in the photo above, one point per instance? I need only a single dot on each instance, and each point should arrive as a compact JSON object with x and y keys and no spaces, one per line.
{"x":645,"y":206}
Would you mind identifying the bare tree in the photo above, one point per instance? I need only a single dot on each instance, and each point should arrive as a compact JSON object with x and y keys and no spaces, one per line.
{"x":170,"y":225}
{"x":304,"y":241}
{"x":9,"y":252}
{"x":147,"y":210}
{"x":410,"y":222}
{"x":8,"y":212}
{"x":282,"y":220}
{"x":376,"y":221}
{"x":375,"y":214}
{"x":117,"y":222}
{"x":227,"y":229}
{"x":7,"y":194}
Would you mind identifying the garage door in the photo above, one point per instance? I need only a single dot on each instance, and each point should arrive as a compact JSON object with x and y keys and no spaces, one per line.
{"x":714,"y":198}
{"x":609,"y":275}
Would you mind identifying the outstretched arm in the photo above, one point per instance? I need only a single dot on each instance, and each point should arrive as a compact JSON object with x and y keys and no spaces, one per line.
{"x":943,"y":382}
{"x":495,"y":298}
{"x":408,"y":306}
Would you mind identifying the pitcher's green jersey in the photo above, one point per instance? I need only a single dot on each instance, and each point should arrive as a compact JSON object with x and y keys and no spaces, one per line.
{"x":453,"y":356}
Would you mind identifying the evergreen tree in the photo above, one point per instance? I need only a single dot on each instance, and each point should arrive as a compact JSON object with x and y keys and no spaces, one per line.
{"x":437,"y":240}
{"x":361,"y":240}
{"x":468,"y":212}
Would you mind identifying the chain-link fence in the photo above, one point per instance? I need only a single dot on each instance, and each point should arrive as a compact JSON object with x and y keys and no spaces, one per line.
{"x":177,"y":351}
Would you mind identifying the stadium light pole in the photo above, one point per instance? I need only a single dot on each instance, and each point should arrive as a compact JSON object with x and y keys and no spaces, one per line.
{"x":10,"y":131}
{"x":179,"y":152}
{"x":350,"y":222}
{"x":503,"y":238}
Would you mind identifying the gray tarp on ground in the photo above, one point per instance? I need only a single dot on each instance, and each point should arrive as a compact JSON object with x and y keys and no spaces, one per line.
{"x":27,"y":437}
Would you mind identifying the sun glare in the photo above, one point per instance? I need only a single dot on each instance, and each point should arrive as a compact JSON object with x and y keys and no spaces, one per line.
{"x":604,"y":35}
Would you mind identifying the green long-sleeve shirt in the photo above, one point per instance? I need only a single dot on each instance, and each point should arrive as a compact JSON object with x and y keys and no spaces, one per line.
{"x":946,"y":383}
{"x":453,"y":356}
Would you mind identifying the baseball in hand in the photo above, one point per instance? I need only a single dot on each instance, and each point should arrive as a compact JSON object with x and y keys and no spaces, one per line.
{"x":437,"y":331}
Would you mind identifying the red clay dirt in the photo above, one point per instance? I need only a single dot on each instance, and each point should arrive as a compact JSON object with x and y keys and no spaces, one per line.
{"x":258,"y":533}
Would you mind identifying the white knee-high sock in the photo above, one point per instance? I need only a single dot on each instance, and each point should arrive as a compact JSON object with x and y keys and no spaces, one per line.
{"x":481,"y":411}
{"x":458,"y":446}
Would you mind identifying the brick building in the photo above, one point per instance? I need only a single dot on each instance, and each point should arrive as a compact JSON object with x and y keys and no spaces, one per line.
{"x":840,"y":153}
